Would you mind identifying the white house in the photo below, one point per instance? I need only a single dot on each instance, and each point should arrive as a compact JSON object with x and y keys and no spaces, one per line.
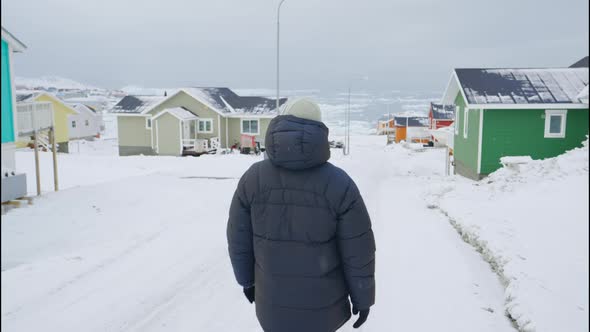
{"x":85,"y":124}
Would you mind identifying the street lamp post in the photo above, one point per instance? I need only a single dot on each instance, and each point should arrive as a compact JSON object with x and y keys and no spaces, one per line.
{"x":346,"y":149}
{"x":278,"y":44}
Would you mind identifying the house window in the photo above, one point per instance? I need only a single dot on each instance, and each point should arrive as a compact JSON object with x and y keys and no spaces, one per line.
{"x":456,"y":124}
{"x":555,"y":123}
{"x":73,"y":124}
{"x":205,"y":125}
{"x":250,"y":127}
{"x":86,"y":123}
{"x":465,"y":122}
{"x":148,"y":123}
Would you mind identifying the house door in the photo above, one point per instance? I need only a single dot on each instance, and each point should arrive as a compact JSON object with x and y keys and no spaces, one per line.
{"x":189,"y":129}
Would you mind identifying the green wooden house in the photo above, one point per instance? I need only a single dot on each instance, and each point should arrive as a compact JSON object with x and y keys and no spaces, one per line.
{"x":13,"y":184}
{"x":539,"y":113}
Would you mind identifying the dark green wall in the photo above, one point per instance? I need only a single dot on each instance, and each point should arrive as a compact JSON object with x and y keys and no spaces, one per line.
{"x":521,"y":133}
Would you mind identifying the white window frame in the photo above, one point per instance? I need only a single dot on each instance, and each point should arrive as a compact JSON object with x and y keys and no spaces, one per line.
{"x":148,"y":123}
{"x":205,"y":126}
{"x":86,"y":122}
{"x":74,"y":124}
{"x":456,"y":123}
{"x":548,"y":115}
{"x":465,"y":122}
{"x":257,"y":127}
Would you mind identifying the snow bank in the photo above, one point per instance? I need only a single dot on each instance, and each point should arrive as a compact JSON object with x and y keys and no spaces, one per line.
{"x":531,"y":224}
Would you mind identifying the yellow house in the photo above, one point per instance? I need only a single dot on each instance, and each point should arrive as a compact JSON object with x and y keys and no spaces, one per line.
{"x":61,"y":111}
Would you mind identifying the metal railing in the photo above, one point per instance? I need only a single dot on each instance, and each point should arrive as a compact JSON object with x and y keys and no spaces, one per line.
{"x":33,"y":117}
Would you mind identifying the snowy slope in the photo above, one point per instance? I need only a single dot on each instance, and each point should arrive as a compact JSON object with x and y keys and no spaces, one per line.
{"x":48,"y":82}
{"x":532,"y":225}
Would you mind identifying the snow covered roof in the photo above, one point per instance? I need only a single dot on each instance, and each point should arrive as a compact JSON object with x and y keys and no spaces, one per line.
{"x":442,"y":112}
{"x":180,"y":113}
{"x":583,"y":62}
{"x":82,"y":108}
{"x":26,"y":96}
{"x":136,"y":104}
{"x":227,"y":101}
{"x":522,"y":86}
{"x":16,"y":44}
{"x":411,"y":121}
{"x":583,"y":95}
{"x":222,"y":100}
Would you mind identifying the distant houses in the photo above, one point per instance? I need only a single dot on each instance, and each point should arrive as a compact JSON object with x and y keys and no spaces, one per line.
{"x":191,"y":120}
{"x":385,"y":125}
{"x":413,"y":129}
{"x":441,"y":116}
{"x":539,"y":113}
{"x":62,"y":112}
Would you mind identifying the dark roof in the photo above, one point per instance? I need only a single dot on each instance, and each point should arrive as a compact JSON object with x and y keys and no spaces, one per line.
{"x":411,"y":121}
{"x":522,"y":86}
{"x":582,"y":63}
{"x":222,"y":99}
{"x":136,"y":104}
{"x":21,"y":97}
{"x":227,"y":101}
{"x":442,"y":112}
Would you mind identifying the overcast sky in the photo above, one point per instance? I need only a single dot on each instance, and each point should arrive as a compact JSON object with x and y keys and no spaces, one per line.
{"x":398,"y":44}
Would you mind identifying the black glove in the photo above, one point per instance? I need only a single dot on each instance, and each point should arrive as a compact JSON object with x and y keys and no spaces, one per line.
{"x":249,"y":292}
{"x":362,"y":317}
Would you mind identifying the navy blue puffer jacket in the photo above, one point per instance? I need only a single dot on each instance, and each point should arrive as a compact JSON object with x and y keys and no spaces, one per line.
{"x":299,"y":231}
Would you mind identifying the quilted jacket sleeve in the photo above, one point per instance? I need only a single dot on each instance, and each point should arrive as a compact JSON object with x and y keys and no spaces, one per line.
{"x":239,"y":234}
{"x":357,"y":248}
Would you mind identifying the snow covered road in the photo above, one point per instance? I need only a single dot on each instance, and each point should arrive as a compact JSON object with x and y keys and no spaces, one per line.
{"x":147,"y":251}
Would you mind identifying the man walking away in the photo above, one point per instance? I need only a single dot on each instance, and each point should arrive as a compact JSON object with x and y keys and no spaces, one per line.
{"x":299,"y":235}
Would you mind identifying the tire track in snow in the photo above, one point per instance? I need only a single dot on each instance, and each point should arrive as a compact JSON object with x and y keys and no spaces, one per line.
{"x":496,"y":263}
{"x":196,"y":276}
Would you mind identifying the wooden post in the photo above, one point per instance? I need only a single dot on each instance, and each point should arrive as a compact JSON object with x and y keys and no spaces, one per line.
{"x":54,"y":153}
{"x":447,"y":161}
{"x":37,"y":171}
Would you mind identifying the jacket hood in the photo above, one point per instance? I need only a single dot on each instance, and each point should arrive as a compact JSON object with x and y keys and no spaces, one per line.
{"x":296,"y":144}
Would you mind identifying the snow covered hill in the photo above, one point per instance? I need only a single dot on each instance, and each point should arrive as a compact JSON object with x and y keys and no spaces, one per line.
{"x":52,"y":82}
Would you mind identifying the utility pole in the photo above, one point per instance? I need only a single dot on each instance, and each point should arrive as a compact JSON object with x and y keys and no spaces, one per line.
{"x":347,"y":118}
{"x":347,"y":124}
{"x":278,"y":46}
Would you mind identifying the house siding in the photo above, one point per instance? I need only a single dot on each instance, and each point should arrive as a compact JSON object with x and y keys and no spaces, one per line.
{"x":235,"y":130}
{"x":466,"y":149}
{"x":134,"y":138}
{"x":8,"y":130}
{"x":194,"y":106}
{"x":167,"y":137}
{"x":81,"y":130}
{"x":60,"y":118}
{"x":521,"y":132}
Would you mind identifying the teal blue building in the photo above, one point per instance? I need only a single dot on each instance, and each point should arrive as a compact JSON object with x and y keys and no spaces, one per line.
{"x":13,"y":183}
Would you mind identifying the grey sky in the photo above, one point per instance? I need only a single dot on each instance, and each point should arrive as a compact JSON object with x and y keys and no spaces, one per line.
{"x":399,"y":44}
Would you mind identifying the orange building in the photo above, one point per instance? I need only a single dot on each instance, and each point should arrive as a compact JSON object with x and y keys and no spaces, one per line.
{"x":412,"y":129}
